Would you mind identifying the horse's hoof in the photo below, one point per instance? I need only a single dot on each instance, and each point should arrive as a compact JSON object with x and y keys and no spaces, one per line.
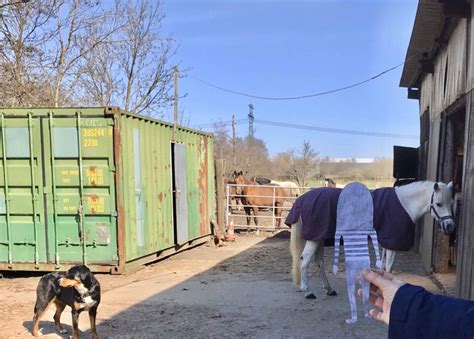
{"x":351,"y":321}
{"x":310,"y":296}
{"x":331,"y":292}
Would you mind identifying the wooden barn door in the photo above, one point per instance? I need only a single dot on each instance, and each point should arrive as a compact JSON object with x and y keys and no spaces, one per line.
{"x":427,"y":222}
{"x":465,"y":271}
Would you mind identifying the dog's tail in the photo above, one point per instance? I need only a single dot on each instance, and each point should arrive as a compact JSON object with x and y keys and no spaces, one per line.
{"x":296,"y":247}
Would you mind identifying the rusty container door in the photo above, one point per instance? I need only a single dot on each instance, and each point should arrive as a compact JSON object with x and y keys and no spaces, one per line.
{"x":145,"y":188}
{"x":199,"y":183}
{"x":165,"y":187}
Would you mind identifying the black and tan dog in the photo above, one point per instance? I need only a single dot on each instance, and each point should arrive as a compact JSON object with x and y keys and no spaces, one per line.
{"x":77,"y":288}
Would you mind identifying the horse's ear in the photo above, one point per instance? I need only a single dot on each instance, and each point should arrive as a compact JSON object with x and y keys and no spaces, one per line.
{"x":450,"y":186}
{"x":240,"y":173}
{"x":436,"y":187}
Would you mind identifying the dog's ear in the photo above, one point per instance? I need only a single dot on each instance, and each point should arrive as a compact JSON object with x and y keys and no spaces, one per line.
{"x":86,"y":280}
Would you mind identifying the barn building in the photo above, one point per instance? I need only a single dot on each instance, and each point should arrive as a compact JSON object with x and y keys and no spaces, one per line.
{"x":439,"y":73}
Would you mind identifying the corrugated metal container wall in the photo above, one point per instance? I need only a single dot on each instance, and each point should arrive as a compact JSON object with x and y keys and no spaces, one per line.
{"x":99,"y":186}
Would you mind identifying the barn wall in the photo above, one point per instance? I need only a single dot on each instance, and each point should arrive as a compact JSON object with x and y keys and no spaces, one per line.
{"x":426,"y":93}
{"x":438,"y":84}
{"x":448,"y":82}
{"x":457,"y":64}
{"x":470,"y":75}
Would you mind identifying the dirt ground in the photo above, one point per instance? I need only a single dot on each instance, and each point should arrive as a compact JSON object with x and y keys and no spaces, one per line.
{"x":241,"y":290}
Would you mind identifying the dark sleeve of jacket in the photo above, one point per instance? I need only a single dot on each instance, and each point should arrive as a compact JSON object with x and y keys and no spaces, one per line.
{"x":416,"y":313}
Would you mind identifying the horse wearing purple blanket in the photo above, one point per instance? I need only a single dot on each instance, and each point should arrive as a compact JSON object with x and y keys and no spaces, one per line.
{"x":396,"y":210}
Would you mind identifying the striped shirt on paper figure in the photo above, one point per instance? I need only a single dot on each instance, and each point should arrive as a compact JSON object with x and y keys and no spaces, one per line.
{"x":355,"y":213}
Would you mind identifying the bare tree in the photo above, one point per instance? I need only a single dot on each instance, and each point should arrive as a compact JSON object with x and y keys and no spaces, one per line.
{"x":23,"y":32}
{"x":61,"y":52}
{"x":73,"y":41}
{"x":300,"y":164}
{"x":251,"y":154}
{"x":43,"y":47}
{"x":135,"y":73}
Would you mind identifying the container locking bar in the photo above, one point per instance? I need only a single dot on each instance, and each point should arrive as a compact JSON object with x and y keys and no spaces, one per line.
{"x":81,"y":191}
{"x":7,"y":199}
{"x":53,"y":182}
{"x":33,"y":185}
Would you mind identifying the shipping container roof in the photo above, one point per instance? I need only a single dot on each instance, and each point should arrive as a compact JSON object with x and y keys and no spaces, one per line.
{"x":88,"y":111}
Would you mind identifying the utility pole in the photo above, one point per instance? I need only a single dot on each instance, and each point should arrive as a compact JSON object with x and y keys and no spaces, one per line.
{"x":251,"y":119}
{"x":233,"y":141}
{"x":175,"y":103}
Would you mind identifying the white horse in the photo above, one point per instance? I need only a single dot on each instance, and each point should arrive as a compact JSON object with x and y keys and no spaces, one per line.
{"x":417,"y":199}
{"x":292,"y":189}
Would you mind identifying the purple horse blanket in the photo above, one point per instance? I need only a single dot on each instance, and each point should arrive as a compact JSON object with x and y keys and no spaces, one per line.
{"x":317,"y":208}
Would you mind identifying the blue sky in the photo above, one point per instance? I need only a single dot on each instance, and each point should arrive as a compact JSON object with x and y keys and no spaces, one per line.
{"x":290,"y":48}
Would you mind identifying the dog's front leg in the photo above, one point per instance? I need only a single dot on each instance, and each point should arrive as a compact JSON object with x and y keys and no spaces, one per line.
{"x":75,"y":320}
{"x":92,"y":317}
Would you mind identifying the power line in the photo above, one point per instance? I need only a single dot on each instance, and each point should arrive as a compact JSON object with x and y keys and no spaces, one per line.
{"x":315,"y":128}
{"x":335,"y":130}
{"x":307,"y":95}
{"x":225,"y":123}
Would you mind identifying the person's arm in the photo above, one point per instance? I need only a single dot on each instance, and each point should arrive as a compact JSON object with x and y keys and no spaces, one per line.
{"x":416,"y":313}
{"x":412,"y":312}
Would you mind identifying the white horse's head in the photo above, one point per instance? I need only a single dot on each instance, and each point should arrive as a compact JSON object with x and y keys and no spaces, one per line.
{"x":441,"y":206}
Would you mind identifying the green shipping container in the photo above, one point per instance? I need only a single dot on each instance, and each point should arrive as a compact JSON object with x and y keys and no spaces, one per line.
{"x":100,"y":186}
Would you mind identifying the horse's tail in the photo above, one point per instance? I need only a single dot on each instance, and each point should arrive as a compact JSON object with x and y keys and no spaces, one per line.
{"x":296,"y":247}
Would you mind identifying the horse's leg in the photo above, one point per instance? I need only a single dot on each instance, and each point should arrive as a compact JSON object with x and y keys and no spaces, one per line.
{"x":255,"y":219}
{"x":390,"y":260}
{"x":319,"y":257}
{"x":247,"y":213}
{"x":384,"y":259}
{"x":278,"y":215}
{"x":309,"y":250}
{"x":351,"y":275}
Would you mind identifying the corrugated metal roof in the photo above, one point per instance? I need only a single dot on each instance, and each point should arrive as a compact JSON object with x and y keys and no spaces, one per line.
{"x":429,"y":22}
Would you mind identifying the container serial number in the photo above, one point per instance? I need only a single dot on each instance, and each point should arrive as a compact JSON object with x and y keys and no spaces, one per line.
{"x":91,"y":142}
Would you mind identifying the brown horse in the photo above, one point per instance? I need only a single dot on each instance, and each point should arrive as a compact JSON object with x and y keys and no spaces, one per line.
{"x":254,"y":197}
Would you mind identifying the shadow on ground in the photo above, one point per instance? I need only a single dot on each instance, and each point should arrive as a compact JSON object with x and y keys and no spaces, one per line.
{"x":247,"y":295}
{"x":198,"y":294}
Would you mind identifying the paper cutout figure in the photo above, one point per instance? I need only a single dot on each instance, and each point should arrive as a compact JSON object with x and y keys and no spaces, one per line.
{"x":354,"y":223}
